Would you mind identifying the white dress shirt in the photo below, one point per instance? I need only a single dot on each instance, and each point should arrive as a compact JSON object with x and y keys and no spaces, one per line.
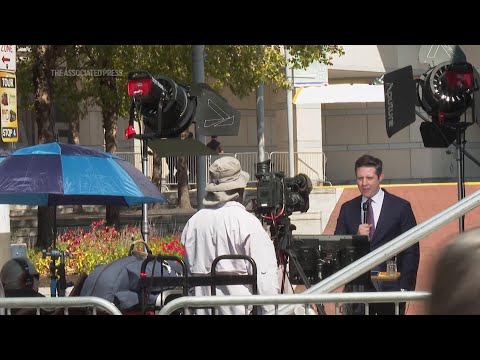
{"x":376,"y":204}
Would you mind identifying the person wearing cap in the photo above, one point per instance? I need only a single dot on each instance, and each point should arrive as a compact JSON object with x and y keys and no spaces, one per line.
{"x":225,"y":227}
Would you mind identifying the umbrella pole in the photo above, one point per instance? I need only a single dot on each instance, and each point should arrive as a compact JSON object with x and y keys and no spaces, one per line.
{"x":54,"y":226}
{"x":53,"y":257}
{"x":145,"y":206}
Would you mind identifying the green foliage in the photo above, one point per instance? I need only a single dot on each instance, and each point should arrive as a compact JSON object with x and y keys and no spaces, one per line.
{"x":239,"y":67}
{"x":102,"y":245}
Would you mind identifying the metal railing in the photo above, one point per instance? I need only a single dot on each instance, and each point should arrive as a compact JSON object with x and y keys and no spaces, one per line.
{"x":312,"y":164}
{"x":302,"y":300}
{"x":248,"y":161}
{"x":91,"y":302}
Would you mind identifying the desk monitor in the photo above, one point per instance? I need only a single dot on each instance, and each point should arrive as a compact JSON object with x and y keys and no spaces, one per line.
{"x":322,"y":255}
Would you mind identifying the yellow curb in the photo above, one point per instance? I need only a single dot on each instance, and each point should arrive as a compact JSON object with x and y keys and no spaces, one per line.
{"x":388,"y":185}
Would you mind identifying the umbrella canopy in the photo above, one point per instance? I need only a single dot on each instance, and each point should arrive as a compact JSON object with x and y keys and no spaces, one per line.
{"x":119,"y":281}
{"x":3,"y":154}
{"x":63,"y":174}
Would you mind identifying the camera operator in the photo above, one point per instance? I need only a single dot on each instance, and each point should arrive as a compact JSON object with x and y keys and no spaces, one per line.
{"x":392,"y":216}
{"x":225,"y":227}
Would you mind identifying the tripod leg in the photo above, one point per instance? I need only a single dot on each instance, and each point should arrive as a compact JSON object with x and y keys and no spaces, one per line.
{"x":53,"y":279}
{"x":460,"y":143}
{"x":293,"y":257}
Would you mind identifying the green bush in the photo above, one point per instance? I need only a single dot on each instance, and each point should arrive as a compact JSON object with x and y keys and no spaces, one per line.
{"x":101,"y":245}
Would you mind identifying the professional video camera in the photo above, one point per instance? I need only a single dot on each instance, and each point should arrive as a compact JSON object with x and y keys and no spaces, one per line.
{"x":278,"y":195}
{"x":277,"y":198}
{"x":310,"y":259}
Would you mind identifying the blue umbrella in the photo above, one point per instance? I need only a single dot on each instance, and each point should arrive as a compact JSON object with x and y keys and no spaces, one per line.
{"x":62,"y":174}
{"x":3,"y":154}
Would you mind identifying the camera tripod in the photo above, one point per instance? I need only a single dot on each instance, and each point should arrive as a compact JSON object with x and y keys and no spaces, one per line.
{"x":446,"y":132}
{"x":281,"y":232}
{"x":58,"y":283}
{"x":461,"y":153}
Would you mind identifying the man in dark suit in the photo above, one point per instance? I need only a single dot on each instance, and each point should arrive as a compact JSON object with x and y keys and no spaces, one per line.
{"x":392,"y":216}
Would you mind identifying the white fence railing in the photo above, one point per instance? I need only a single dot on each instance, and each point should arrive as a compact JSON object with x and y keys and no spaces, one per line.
{"x":302,"y":300}
{"x":312,"y":164}
{"x":65,"y":303}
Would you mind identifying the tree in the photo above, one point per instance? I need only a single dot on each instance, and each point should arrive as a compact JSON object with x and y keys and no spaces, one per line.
{"x":182,"y":177}
{"x":103,"y":91}
{"x":239,"y":67}
{"x":44,"y":61}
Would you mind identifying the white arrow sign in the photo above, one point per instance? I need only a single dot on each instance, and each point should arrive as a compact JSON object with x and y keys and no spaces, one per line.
{"x":223,"y":120}
{"x":8,"y":57}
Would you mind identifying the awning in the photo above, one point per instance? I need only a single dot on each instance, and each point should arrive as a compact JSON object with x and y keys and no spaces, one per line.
{"x":342,"y":93}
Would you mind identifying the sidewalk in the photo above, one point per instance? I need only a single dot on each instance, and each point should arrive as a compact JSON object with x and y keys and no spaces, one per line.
{"x":46,"y":291}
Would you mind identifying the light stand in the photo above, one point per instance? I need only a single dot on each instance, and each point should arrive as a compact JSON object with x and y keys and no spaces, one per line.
{"x":58,"y":279}
{"x":458,"y":82}
{"x":57,"y":287}
{"x":460,"y":146}
{"x":461,"y":153}
{"x":144,"y":139}
{"x":459,"y":143}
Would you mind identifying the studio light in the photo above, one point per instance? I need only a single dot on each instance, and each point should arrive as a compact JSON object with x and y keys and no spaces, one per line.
{"x":445,"y":92}
{"x":167,"y":108}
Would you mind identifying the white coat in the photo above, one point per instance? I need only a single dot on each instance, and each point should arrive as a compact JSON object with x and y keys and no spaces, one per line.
{"x":230,"y":229}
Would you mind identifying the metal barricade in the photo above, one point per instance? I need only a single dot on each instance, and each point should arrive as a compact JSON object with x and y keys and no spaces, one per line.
{"x":90,"y":302}
{"x":312,"y":164}
{"x":135,"y":158}
{"x":248,"y":161}
{"x":300,"y":300}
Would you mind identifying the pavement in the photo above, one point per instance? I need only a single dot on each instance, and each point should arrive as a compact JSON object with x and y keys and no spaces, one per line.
{"x":46,"y":291}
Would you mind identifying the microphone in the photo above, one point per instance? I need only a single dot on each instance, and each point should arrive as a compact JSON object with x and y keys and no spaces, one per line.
{"x":365,"y":210}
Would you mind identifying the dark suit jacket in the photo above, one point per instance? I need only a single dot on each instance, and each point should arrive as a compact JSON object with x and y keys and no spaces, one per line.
{"x":395,"y":218}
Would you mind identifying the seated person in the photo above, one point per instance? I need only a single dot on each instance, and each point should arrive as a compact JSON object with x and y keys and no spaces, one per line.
{"x":20,"y":278}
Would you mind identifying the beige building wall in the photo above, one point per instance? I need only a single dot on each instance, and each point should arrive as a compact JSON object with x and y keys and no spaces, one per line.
{"x":351,"y":130}
{"x":275,"y":113}
{"x":362,"y":63}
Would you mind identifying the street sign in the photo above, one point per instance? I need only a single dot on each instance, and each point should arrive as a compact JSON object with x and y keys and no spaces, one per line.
{"x":8,"y":107}
{"x":8,"y":57}
{"x":214,"y":116}
{"x":316,"y":74}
